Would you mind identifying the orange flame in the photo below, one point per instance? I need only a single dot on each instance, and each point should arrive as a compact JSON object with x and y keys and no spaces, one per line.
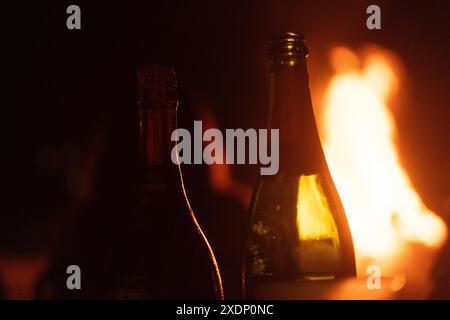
{"x":384,"y":211}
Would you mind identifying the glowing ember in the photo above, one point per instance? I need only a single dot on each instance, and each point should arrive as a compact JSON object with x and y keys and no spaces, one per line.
{"x":384,"y":211}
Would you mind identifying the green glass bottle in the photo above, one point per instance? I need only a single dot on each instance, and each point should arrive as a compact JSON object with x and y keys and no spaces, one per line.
{"x":298,"y":231}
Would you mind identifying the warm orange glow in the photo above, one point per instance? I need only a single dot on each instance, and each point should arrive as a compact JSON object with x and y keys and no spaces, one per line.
{"x":317,"y":231}
{"x":314,"y":218}
{"x":385,"y":213}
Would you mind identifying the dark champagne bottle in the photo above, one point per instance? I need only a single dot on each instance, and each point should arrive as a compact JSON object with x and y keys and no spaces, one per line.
{"x":169,"y":256}
{"x":298,"y":232}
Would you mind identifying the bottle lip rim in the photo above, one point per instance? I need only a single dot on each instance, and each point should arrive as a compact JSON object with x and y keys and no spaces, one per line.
{"x":287,"y":44}
{"x":287,"y":35}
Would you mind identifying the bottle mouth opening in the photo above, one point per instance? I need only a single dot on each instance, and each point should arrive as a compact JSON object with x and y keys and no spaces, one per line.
{"x":287,"y":45}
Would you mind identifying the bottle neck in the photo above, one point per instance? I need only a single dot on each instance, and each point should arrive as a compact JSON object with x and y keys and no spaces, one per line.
{"x":157,"y":104}
{"x":291,"y":111}
{"x":155,"y":129}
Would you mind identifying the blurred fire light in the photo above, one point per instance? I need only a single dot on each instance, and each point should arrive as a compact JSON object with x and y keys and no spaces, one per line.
{"x":384,"y":211}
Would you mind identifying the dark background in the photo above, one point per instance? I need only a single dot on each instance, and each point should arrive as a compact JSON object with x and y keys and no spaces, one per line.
{"x":74,"y":90}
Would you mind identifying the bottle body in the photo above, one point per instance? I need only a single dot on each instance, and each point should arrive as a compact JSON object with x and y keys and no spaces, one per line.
{"x":168,"y":256}
{"x":296,"y":236}
{"x":298,"y":231}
